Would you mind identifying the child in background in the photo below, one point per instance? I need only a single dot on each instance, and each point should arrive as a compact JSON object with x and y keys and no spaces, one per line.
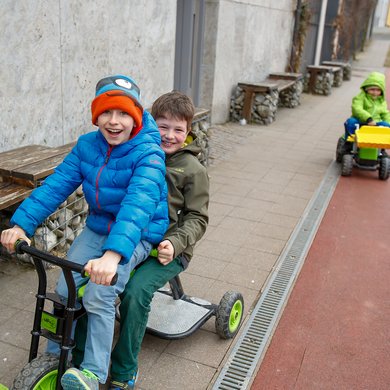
{"x":121,"y":168}
{"x":369,"y":107}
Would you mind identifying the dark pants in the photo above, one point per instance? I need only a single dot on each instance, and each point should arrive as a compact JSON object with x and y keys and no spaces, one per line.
{"x":134,"y":310}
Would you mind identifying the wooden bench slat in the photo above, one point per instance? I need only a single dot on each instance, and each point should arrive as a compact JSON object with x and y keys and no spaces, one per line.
{"x":335,"y":63}
{"x":283,"y":84}
{"x":16,"y":153}
{"x":286,"y":75}
{"x":21,"y":160}
{"x":264,"y":86}
{"x":12,"y":193}
{"x":39,"y":169}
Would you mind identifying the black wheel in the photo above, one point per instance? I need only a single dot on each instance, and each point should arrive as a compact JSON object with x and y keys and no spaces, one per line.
{"x":384,"y":168}
{"x":39,"y":374}
{"x":229,"y":314}
{"x":346,"y":165}
{"x":340,"y":149}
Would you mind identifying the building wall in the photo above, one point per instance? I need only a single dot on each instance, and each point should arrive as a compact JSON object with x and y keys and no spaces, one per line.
{"x":381,"y":13}
{"x":244,"y":41}
{"x":54,"y":51}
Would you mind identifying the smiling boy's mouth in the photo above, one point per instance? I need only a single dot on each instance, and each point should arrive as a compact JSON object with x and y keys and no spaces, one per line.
{"x":166,"y":143}
{"x":113,"y":131}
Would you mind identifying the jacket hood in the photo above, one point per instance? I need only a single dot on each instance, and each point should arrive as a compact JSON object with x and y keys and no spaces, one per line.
{"x":375,"y":79}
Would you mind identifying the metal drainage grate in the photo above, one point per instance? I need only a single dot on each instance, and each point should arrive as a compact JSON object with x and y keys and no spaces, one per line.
{"x":251,"y":345}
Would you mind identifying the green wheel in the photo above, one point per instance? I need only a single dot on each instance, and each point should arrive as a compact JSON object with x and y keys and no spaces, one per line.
{"x":39,"y":374}
{"x":229,"y":314}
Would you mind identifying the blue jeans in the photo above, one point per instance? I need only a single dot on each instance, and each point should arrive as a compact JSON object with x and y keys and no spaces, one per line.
{"x":98,"y":300}
{"x":350,"y":125}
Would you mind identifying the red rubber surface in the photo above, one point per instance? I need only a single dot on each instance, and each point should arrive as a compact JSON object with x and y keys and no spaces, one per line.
{"x":335,"y":330}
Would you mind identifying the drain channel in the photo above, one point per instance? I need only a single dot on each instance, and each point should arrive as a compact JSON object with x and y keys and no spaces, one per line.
{"x":251,"y":345}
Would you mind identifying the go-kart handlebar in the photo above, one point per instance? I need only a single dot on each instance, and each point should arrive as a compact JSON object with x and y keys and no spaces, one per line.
{"x":21,"y":247}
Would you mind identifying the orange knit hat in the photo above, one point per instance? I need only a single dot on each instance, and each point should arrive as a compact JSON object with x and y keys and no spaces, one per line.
{"x":116,"y":100}
{"x":118,"y":92}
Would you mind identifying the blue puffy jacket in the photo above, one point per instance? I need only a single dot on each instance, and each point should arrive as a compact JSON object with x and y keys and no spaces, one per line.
{"x":124,"y":187}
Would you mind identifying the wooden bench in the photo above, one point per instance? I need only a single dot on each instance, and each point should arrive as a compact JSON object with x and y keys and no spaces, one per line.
{"x":319,"y":79}
{"x":346,"y":66}
{"x":260,"y":100}
{"x":23,"y":169}
{"x":338,"y":74}
{"x":289,"y":94}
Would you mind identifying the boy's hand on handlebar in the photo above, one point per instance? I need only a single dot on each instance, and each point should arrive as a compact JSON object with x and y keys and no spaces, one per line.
{"x":166,"y":252}
{"x":372,"y":123}
{"x":102,"y":270}
{"x":10,"y":236}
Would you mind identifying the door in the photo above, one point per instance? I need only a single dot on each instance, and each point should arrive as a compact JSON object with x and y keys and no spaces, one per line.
{"x":189,"y":47}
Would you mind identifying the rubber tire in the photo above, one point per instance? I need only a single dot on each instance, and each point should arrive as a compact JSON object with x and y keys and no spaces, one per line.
{"x":384,"y":168}
{"x":347,"y":165}
{"x":39,"y":374}
{"x":340,"y":149}
{"x":229,"y":314}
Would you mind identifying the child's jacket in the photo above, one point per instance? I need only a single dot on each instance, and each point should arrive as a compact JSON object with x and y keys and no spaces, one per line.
{"x":188,"y":199}
{"x":123,"y":185}
{"x":365,"y":107}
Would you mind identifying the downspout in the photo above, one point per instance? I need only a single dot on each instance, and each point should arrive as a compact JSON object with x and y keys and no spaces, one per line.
{"x":320,"y":35}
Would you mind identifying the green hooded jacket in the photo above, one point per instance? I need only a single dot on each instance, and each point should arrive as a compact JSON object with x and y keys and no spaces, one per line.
{"x":365,"y":107}
{"x":188,"y":200}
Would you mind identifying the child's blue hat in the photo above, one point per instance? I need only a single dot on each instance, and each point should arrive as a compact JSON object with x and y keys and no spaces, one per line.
{"x":119,"y":82}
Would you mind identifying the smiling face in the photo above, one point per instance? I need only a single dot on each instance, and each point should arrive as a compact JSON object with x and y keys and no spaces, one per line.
{"x":116,"y":126}
{"x":374,"y":92}
{"x":173,"y":133}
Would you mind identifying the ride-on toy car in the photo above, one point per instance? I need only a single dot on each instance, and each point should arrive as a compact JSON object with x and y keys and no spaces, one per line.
{"x":169,"y":318}
{"x":365,"y":150}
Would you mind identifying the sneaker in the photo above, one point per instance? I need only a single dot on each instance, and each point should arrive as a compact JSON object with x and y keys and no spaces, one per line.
{"x":74,"y":379}
{"x":129,"y":385}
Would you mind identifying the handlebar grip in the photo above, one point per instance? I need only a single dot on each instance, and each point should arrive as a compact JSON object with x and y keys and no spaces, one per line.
{"x":19,"y":245}
{"x":114,"y":279}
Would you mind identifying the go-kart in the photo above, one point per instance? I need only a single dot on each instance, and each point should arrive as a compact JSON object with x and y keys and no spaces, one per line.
{"x":174,"y":315}
{"x":365,"y":150}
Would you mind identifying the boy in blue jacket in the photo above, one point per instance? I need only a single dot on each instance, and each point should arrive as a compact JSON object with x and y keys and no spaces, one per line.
{"x":121,"y":168}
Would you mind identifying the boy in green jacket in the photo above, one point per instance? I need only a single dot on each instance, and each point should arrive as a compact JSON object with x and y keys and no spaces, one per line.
{"x":369,"y":107}
{"x":188,"y":199}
